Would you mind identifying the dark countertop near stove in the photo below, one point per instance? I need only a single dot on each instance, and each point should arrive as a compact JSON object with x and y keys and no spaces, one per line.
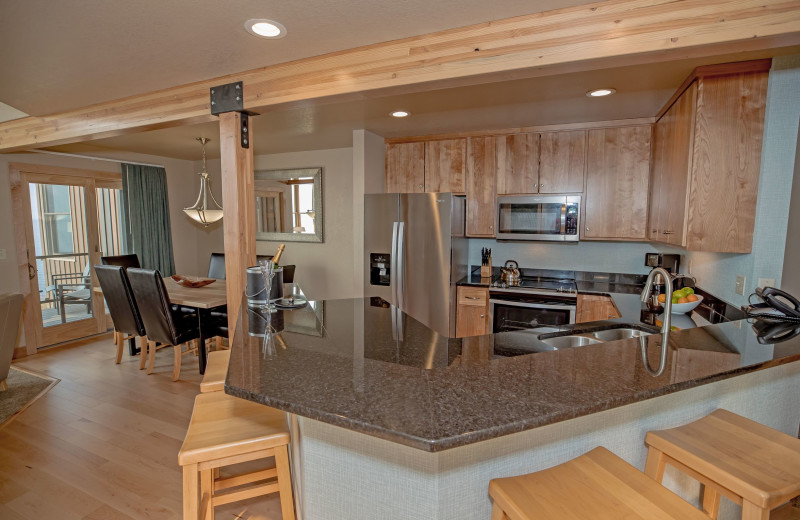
{"x":362,"y":365}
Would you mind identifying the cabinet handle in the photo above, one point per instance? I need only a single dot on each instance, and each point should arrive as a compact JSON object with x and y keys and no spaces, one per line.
{"x":491,"y":227}
{"x":541,"y":185}
{"x":471,"y":297}
{"x":483,"y":315}
{"x":587,"y":228}
{"x":420,"y":186}
{"x":655,"y":231}
{"x":667,"y":232}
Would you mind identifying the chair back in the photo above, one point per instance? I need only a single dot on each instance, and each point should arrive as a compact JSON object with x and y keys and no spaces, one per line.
{"x":288,"y":274}
{"x":10,"y":313}
{"x":154,"y":305}
{"x":121,"y":260}
{"x":216,"y":266}
{"x":119,"y":298}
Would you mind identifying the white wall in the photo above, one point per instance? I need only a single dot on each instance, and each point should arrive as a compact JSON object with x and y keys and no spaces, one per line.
{"x":369,"y":176}
{"x":324,"y":271}
{"x":791,"y":260}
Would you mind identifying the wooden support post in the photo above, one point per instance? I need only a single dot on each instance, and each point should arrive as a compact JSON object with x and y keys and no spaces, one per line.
{"x":238,"y":202}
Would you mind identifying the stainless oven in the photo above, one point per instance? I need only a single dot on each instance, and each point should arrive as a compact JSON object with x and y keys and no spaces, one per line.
{"x":539,"y":217}
{"x":517,"y":309}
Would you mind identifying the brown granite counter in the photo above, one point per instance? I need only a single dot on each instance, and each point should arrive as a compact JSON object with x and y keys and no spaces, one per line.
{"x":364,"y":366}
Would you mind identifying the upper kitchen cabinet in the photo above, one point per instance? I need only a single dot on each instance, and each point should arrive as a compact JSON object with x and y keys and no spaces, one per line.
{"x":562,"y":161}
{"x":481,"y":186}
{"x":517,"y":164}
{"x":706,"y":159}
{"x":445,"y":170}
{"x":437,"y":166}
{"x":405,"y":167}
{"x":617,"y":179}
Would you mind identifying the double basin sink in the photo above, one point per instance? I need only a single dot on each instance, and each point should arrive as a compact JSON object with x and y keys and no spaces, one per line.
{"x":581,"y":339}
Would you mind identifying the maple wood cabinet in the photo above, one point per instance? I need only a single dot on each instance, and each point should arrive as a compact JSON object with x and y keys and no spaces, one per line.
{"x":472,"y":318}
{"x":562,"y":161}
{"x":481,"y":190}
{"x":426,"y":166}
{"x":617,"y":179}
{"x":517,"y":164}
{"x":595,"y":307}
{"x":706,"y":162}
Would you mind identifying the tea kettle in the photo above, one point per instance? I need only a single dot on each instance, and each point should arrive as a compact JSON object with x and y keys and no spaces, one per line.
{"x":509,"y":273}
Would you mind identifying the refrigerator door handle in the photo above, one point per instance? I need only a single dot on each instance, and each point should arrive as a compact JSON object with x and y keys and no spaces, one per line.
{"x":401,"y":265}
{"x":393,"y":264}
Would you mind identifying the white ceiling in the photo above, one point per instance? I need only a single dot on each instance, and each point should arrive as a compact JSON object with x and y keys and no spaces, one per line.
{"x":87,"y":51}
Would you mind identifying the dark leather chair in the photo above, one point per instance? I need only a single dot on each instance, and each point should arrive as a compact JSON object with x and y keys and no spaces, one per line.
{"x":216,"y":266}
{"x":121,"y":260}
{"x":122,"y":306}
{"x":164,"y":323}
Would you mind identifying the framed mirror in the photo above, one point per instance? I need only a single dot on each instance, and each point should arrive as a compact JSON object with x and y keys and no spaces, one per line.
{"x":289,"y":205}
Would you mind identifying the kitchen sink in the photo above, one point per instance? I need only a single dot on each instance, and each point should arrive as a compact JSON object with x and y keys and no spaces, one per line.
{"x":571,"y":341}
{"x":618,"y":334}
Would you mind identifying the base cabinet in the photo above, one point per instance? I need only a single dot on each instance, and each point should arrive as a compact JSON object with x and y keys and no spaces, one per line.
{"x":473,"y":312}
{"x":596,"y":307}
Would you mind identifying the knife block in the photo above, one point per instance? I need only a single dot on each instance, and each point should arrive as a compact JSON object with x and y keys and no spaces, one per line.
{"x":486,"y":270}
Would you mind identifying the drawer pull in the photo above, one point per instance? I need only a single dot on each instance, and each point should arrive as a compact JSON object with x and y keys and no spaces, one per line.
{"x":471,"y":297}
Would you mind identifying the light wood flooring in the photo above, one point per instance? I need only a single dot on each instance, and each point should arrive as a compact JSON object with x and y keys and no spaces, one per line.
{"x":103,"y":443}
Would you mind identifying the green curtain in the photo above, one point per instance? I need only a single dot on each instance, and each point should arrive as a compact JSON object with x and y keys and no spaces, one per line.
{"x":145,"y":210}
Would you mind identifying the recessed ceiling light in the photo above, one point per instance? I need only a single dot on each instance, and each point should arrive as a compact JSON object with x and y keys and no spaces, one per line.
{"x":400,"y":113}
{"x":600,"y":92}
{"x":265,"y":28}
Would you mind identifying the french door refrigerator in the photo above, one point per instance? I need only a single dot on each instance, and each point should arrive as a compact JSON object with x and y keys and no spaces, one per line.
{"x":415,"y":253}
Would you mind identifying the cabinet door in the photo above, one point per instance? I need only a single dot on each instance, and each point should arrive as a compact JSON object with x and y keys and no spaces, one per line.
{"x":471,"y":321}
{"x":618,"y":167}
{"x":517,"y":164}
{"x":481,"y":196}
{"x":445,"y":167}
{"x":562,"y":162}
{"x":678,"y":123}
{"x":654,"y":221}
{"x":595,"y":307}
{"x":405,"y":168}
{"x":726,"y":162}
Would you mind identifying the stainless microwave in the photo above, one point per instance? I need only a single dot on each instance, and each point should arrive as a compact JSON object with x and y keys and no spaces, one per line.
{"x":534,"y":217}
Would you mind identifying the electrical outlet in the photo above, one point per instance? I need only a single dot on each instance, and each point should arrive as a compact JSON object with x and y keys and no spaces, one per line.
{"x":766,"y":282}
{"x":2,"y":254}
{"x":740,"y":284}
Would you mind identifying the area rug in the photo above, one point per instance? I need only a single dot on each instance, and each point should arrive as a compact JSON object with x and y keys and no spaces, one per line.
{"x":24,"y":388}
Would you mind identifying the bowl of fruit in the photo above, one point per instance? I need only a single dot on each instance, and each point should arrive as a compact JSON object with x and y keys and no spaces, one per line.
{"x":683,"y":300}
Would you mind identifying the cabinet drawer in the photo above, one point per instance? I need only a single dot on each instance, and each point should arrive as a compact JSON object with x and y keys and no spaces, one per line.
{"x":473,"y":296}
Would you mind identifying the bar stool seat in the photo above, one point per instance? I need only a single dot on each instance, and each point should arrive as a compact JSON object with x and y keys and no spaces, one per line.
{"x":597,"y":485}
{"x":226,"y":430}
{"x":747,"y":462}
{"x":216,"y":371}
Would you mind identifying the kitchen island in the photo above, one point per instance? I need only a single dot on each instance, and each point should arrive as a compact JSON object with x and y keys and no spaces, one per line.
{"x":391,"y":420}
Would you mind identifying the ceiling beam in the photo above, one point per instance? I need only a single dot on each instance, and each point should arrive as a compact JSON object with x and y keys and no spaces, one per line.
{"x":615,"y":32}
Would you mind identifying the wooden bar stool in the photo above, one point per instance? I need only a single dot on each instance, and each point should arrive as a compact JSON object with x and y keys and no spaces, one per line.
{"x":597,"y":485}
{"x":216,"y":371}
{"x":749,"y":463}
{"x":226,"y":430}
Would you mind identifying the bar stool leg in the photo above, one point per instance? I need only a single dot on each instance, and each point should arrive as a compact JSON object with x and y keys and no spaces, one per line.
{"x":190,"y":496}
{"x":207,"y":494}
{"x":284,"y":482}
{"x":751,"y":511}
{"x":656,"y":462}
{"x":711,"y":502}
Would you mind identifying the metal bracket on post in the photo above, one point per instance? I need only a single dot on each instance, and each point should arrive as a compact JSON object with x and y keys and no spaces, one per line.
{"x":245,"y":122}
{"x":230,"y":98}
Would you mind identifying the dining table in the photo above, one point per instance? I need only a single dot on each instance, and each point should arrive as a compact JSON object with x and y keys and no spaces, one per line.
{"x":204,"y":299}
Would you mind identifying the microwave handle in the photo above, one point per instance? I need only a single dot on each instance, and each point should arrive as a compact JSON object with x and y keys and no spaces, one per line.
{"x":564,"y":219}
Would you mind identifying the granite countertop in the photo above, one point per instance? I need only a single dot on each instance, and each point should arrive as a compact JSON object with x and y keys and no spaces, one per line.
{"x":362,"y":365}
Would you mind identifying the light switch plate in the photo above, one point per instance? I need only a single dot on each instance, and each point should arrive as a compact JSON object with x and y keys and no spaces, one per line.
{"x":740,"y":280}
{"x":766,"y":282}
{"x":2,"y":254}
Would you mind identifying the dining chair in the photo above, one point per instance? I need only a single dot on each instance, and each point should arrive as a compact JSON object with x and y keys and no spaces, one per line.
{"x":123,"y":309}
{"x":216,"y":266}
{"x":121,"y":260}
{"x":164,"y":323}
{"x":10,"y":313}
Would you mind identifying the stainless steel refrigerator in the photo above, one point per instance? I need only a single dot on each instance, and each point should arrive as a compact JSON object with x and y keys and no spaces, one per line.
{"x":415,"y":253}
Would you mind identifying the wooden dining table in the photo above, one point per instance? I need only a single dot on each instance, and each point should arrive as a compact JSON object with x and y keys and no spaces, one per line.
{"x":204,"y":299}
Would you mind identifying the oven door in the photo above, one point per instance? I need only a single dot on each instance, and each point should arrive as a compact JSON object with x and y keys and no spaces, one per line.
{"x":506,"y":315}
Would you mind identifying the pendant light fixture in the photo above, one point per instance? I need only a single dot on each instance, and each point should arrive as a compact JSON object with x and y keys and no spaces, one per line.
{"x":202,"y":211}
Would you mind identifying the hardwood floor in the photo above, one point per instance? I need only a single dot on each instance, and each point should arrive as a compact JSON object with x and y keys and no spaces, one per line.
{"x":103,"y":443}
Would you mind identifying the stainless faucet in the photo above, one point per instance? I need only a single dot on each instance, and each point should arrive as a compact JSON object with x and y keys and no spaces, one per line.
{"x":666,"y":320}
